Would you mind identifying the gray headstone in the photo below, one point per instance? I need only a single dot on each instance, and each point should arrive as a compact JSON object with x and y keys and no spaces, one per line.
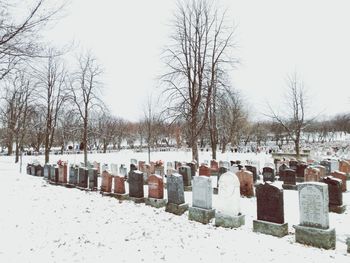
{"x":313,"y":205}
{"x":136,"y":184}
{"x":47,"y":171}
{"x":185,"y":171}
{"x":92,"y":178}
{"x":202,"y":192}
{"x":175,"y":188}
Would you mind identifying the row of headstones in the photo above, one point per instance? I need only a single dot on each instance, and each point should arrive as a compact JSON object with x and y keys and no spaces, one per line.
{"x":313,"y":201}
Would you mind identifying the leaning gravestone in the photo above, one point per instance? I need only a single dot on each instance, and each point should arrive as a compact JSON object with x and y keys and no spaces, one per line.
{"x":335,"y":194}
{"x":201,"y":210}
{"x":136,"y":193}
{"x":270,"y":211}
{"x":155,"y":191}
{"x":185,"y":171}
{"x":228,"y":212}
{"x":314,"y":228}
{"x":289,"y":180}
{"x":268,"y":174}
{"x":176,"y":196}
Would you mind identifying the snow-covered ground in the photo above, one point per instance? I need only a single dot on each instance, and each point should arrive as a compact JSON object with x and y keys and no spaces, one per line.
{"x":45,"y":223}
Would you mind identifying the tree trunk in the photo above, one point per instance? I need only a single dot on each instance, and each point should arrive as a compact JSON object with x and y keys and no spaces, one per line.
{"x":297,"y":146}
{"x":195,"y":152}
{"x":104,"y":146}
{"x":85,"y":141}
{"x":17,"y":153}
{"x":9,"y":148}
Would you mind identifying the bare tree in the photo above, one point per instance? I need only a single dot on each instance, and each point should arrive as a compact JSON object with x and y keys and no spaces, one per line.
{"x":52,"y":94}
{"x":19,"y":37}
{"x":85,"y":89}
{"x":293,"y":120}
{"x":198,"y":51}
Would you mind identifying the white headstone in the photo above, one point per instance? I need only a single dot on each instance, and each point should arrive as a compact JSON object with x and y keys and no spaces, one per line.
{"x":202,"y":192}
{"x":313,"y":204}
{"x":229,"y":194}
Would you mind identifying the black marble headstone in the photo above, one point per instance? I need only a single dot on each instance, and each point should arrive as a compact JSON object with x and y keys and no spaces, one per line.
{"x":136,"y":184}
{"x":175,"y":189}
{"x":270,"y":203}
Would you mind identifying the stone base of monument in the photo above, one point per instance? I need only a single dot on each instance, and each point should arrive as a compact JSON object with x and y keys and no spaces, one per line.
{"x":82,"y":188}
{"x":201,"y":215}
{"x":270,"y":228}
{"x":68,"y":185}
{"x":316,"y":237}
{"x":120,"y":196}
{"x":176,"y":209}
{"x":154,"y":202}
{"x":299,"y":179}
{"x":137,"y":200}
{"x":339,"y":209}
{"x":53,"y":183}
{"x":348,"y":243}
{"x":289,"y":186}
{"x":229,"y":221}
{"x":188,"y":188}
{"x":215,"y":191}
{"x":106,"y":193}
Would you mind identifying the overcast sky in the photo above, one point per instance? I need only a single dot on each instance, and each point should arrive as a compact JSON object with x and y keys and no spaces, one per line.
{"x":274,"y":38}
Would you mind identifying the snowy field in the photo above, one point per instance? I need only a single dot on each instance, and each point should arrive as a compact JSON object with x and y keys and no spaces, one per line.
{"x":46,"y":223}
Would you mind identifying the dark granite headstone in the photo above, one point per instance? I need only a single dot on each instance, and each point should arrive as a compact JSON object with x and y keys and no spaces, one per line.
{"x":270,"y":203}
{"x":293,"y":165}
{"x":73,"y":175}
{"x":47,"y":171}
{"x":175,"y":189}
{"x":268,"y":174}
{"x":289,"y":177}
{"x":300,"y":171}
{"x":327,"y":164}
{"x":83,"y":177}
{"x":185,"y":171}
{"x":192,"y":165}
{"x":93,"y":179}
{"x":281,"y":170}
{"x":136,"y":184}
{"x":334,"y":190}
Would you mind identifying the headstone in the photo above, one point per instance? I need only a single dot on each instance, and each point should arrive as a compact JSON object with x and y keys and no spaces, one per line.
{"x":136,"y":186}
{"x":335,"y":194}
{"x":185,"y":171}
{"x":176,"y":196}
{"x":246,"y":183}
{"x":334,"y":165}
{"x":300,"y":172}
{"x":228,"y":212}
{"x":192,"y":165}
{"x":177,"y":165}
{"x":323,"y":170}
{"x":201,"y":210}
{"x":327,"y":165}
{"x":293,"y":164}
{"x":204,"y":170}
{"x":344,"y":166}
{"x":32,"y":170}
{"x":159,"y":170}
{"x":123,"y":170}
{"x":314,"y":219}
{"x":106,"y":182}
{"x":289,"y":180}
{"x":119,"y":184}
{"x":73,"y":175}
{"x":141,"y":166}
{"x":342,"y":177}
{"x":312,"y":174}
{"x":253,"y":170}
{"x":83,"y":177}
{"x":53,"y":174}
{"x":47,"y":171}
{"x":92,"y":173}
{"x":62,"y":175}
{"x":270,"y":211}
{"x":281,"y":170}
{"x":155,"y":191}
{"x":268,"y":174}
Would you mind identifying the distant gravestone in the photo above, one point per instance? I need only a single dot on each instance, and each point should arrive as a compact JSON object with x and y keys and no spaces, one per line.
{"x":281,"y":170}
{"x":92,"y":173}
{"x":136,"y":186}
{"x":289,"y":180}
{"x":342,"y":177}
{"x":201,"y":210}
{"x":253,"y":170}
{"x":300,"y":171}
{"x":312,"y":174}
{"x":270,"y":211}
{"x":106,"y":182}
{"x":314,"y":219}
{"x":185,"y":171}
{"x":327,"y":164}
{"x":192,"y":165}
{"x":246,"y":183}
{"x":204,"y":170}
{"x":114,"y":169}
{"x":293,"y":164}
{"x":335,"y":194}
{"x":73,"y":175}
{"x":268,"y":174}
{"x":47,"y":171}
{"x":344,"y":166}
{"x":54,"y":174}
{"x":323,"y":170}
{"x":83,"y":177}
{"x":228,"y":212}
{"x":176,"y":196}
{"x":334,"y":165}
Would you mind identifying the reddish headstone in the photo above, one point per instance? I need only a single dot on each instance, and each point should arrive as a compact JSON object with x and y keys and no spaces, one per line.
{"x":204,"y":170}
{"x":312,"y":174}
{"x":344,"y":166}
{"x":142,"y":166}
{"x":214,"y":165}
{"x":246,"y":183}
{"x":106,"y":184}
{"x":323,"y":170}
{"x":119,"y":184}
{"x":155,"y":186}
{"x":342,"y":177}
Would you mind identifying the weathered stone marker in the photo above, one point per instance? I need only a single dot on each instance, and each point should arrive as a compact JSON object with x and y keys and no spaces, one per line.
{"x":228,"y":212}
{"x":312,"y":174}
{"x":201,"y":210}
{"x":106,"y":183}
{"x":176,"y":196}
{"x":186,"y":173}
{"x":270,"y":211}
{"x":246,"y":183}
{"x":314,"y":228}
{"x":155,"y":191}
{"x":136,"y":193}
